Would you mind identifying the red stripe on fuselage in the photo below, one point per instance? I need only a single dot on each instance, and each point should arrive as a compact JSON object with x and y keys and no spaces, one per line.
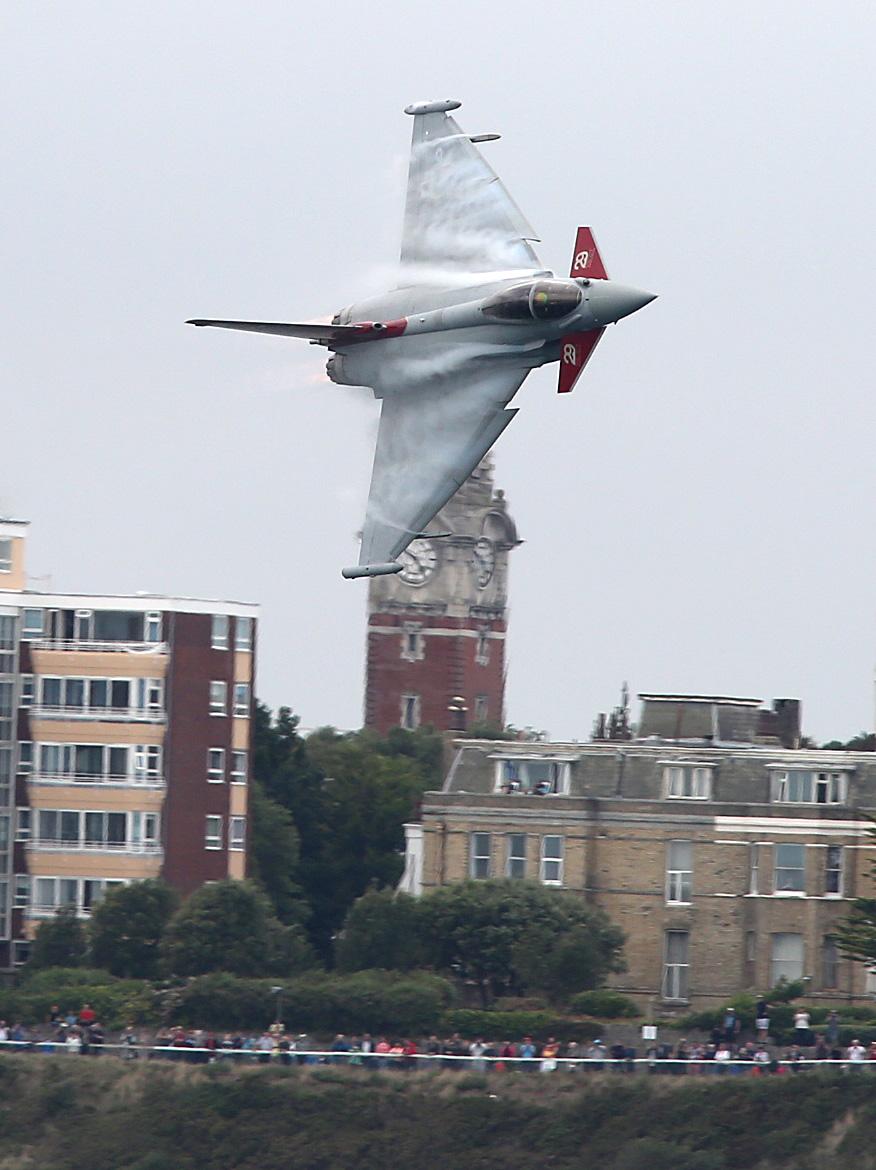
{"x":374,"y":330}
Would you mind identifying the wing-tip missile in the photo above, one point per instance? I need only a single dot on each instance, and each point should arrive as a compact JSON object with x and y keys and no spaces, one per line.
{"x":378,"y":570}
{"x":441,"y":107}
{"x":484,"y":137}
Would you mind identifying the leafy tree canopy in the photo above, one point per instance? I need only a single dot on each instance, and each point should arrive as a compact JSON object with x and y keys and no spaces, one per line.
{"x":864,"y":741}
{"x":274,"y":855}
{"x":126,"y":928}
{"x":382,"y":929}
{"x":59,"y":941}
{"x":230,"y":926}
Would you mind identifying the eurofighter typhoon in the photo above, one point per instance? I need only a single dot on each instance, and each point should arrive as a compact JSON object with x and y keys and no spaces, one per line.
{"x":447,"y":350}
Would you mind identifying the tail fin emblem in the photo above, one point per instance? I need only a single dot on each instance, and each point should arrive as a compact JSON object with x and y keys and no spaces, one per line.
{"x":582,"y":260}
{"x":570,"y":354}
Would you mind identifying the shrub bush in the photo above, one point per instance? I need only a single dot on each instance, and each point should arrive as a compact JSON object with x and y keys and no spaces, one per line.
{"x":369,"y":1001}
{"x":497,"y":1025}
{"x":604,"y":1004}
{"x":116,"y":1001}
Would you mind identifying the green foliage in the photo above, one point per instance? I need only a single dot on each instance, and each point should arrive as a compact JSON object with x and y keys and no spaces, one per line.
{"x":498,"y":1025}
{"x":117,"y":1002}
{"x":510,"y":935}
{"x":59,"y":941}
{"x":230,"y":926}
{"x":382,"y":929}
{"x":372,"y":1001}
{"x":126,"y":928}
{"x":274,"y":855}
{"x":864,"y":741}
{"x":604,"y":1004}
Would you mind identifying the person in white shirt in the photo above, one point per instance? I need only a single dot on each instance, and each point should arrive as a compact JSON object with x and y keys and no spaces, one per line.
{"x":803,"y":1037}
{"x":856,"y":1051}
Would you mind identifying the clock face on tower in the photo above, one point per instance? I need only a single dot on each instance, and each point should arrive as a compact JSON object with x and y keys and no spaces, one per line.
{"x":484,"y":561}
{"x":419,"y":562}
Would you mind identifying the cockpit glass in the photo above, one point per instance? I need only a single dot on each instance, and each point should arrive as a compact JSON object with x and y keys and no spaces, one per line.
{"x":544,"y":300}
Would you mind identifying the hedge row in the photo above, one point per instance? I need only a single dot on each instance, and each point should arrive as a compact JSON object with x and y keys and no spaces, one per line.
{"x":498,"y":1026}
{"x":117,"y":1002}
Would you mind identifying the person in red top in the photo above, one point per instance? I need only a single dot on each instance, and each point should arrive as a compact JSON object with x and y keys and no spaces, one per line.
{"x":87,"y":1015}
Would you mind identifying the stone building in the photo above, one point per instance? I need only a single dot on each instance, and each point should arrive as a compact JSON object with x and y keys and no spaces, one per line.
{"x":726,"y":853}
{"x":436,"y":630}
{"x":125,"y":744}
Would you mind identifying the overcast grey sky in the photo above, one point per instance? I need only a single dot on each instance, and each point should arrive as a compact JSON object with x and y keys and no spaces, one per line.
{"x":698,"y":515}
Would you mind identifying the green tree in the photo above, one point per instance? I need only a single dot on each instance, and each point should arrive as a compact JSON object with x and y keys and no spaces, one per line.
{"x":506,"y":935}
{"x":231,"y":926}
{"x":127,"y":925}
{"x":382,"y":929}
{"x":59,"y":941}
{"x":274,"y":855}
{"x":864,"y":741}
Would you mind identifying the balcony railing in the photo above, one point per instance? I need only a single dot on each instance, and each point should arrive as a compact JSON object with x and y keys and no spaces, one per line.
{"x":45,"y":845}
{"x":152,"y":780}
{"x":101,"y":647}
{"x":100,"y":714}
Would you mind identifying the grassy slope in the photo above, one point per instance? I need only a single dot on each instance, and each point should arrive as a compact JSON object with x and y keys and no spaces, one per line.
{"x":69,"y":1112}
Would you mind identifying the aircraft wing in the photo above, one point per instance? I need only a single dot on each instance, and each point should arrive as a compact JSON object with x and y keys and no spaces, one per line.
{"x":458,"y":216}
{"x":430,"y":440}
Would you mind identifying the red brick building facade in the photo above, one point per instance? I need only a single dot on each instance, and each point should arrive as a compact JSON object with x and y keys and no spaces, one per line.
{"x":436,"y":631}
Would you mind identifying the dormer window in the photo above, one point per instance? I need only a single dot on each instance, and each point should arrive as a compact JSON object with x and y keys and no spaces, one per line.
{"x":532,"y":777}
{"x":793,"y":786}
{"x":687,"y":781}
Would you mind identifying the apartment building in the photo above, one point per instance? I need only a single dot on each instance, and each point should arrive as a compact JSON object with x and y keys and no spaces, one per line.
{"x":726,"y":853}
{"x":125,"y":744}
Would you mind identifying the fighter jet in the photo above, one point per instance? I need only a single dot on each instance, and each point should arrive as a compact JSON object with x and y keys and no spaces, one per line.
{"x":448,"y":348}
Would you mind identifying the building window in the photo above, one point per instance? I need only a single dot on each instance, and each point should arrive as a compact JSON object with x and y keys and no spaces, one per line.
{"x":516,"y":863}
{"x":238,"y":767}
{"x":481,"y":708}
{"x":479,"y":854}
{"x":410,"y":712}
{"x":679,"y":871}
{"x":152,"y":627}
{"x":754,"y":868}
{"x":219,"y":631}
{"x":21,"y":890}
{"x":412,"y":644}
{"x":532,"y":777}
{"x":218,"y":698}
{"x":241,"y":700}
{"x":552,"y":861}
{"x":31,"y":624}
{"x":482,"y":653}
{"x":829,"y":962}
{"x":216,"y":765}
{"x":26,"y":694}
{"x":22,"y":824}
{"x":688,"y":782}
{"x":750,"y":946}
{"x":676,"y":964}
{"x":243,"y":633}
{"x":799,"y":787}
{"x":833,"y":870}
{"x":5,"y":554}
{"x":147,"y":764}
{"x":213,"y":833}
{"x":20,"y":954}
{"x":237,"y":833}
{"x":790,"y":875}
{"x":787,"y":958}
{"x":25,"y":755}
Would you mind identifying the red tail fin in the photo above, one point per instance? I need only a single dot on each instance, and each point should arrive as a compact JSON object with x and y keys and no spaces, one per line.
{"x":586,"y":260}
{"x":575,"y":351}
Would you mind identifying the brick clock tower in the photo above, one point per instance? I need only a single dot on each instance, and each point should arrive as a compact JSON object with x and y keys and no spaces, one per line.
{"x":436,"y":631}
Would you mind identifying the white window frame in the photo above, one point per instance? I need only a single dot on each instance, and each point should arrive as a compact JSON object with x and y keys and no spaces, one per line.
{"x":809,"y":786}
{"x":687,"y":781}
{"x":32,"y":633}
{"x":482,"y":649}
{"x":413,"y":646}
{"x":219,"y":631}
{"x":25,"y":756}
{"x":410,"y":705}
{"x":780,"y":968}
{"x":242,"y":700}
{"x":548,"y":875}
{"x":216,"y":765}
{"x":480,"y":855}
{"x":243,"y":634}
{"x":512,"y":775}
{"x":835,"y":871}
{"x":152,"y":626}
{"x":26,"y":690}
{"x":783,"y":890}
{"x":21,"y":891}
{"x":237,"y":834}
{"x":676,"y":973}
{"x":679,"y":879}
{"x":22,"y":824}
{"x":238,"y":775}
{"x":213,"y":839}
{"x":218,"y":705}
{"x":5,"y":554}
{"x":514,"y":860}
{"x":754,"y":868}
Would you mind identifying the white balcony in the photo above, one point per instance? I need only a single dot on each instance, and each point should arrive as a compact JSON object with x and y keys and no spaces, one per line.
{"x":100,"y":714}
{"x":69,"y":644}
{"x":145,"y":781}
{"x":129,"y":848}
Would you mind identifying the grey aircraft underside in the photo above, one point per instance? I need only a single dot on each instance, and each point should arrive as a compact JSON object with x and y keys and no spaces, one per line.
{"x":447,"y":350}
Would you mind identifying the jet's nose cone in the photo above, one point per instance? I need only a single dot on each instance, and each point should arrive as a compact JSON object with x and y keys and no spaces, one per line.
{"x":610,"y":301}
